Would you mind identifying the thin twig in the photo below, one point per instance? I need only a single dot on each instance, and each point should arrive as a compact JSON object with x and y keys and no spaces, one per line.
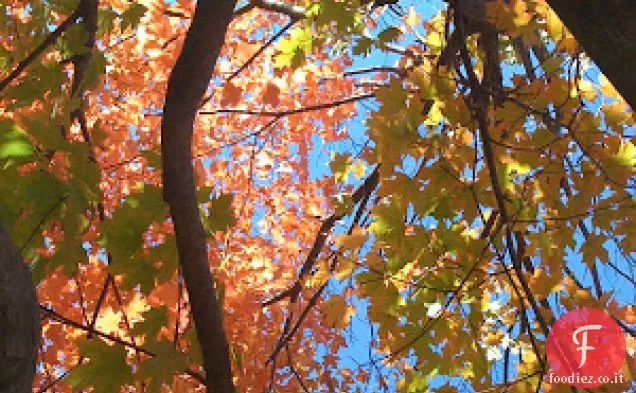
{"x":41,"y":222}
{"x":48,"y":41}
{"x":288,"y":112}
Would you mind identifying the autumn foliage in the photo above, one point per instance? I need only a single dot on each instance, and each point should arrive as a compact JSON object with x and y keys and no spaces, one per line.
{"x":428,"y":186}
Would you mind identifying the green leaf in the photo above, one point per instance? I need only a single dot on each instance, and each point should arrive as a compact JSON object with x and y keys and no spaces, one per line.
{"x":136,"y":271}
{"x":220,"y":213}
{"x":96,"y":68}
{"x":167,"y":254}
{"x":161,"y":368}
{"x":32,"y":201}
{"x":388,"y":219}
{"x":236,"y":357}
{"x":44,"y":130}
{"x":123,"y":231}
{"x":16,"y":148}
{"x":388,"y":35}
{"x":105,"y":20}
{"x":85,"y":175}
{"x":68,"y":255}
{"x":154,"y":320}
{"x":552,"y":65}
{"x":106,"y":369}
{"x":153,"y":158}
{"x":203,"y":194}
{"x":194,"y":351}
{"x":339,"y":166}
{"x":331,"y":11}
{"x":132,"y":16}
{"x":362,"y":46}
{"x":73,"y":42}
{"x":63,"y":6}
{"x":418,"y":384}
{"x":14,"y":143}
{"x":294,"y":49}
{"x":343,"y":204}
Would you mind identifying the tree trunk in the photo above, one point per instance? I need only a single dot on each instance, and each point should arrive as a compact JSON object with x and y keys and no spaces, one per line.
{"x":606,"y":29}
{"x":187,"y":84}
{"x":19,"y":320}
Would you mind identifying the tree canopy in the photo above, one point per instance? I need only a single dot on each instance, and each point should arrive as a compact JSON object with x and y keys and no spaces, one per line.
{"x":314,"y":195}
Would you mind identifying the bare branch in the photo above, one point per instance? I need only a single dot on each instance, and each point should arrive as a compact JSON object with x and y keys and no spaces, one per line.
{"x":288,"y":112}
{"x":261,"y":50}
{"x":293,"y":11}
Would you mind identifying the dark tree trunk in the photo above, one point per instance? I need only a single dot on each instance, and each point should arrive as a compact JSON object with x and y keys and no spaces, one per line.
{"x":19,"y":320}
{"x":606,"y":29}
{"x":187,"y":84}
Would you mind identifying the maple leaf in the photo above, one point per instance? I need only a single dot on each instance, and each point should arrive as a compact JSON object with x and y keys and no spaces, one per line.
{"x":161,"y":368}
{"x":14,"y":143}
{"x":271,"y":95}
{"x":220,"y":214}
{"x":337,"y":312}
{"x":105,"y":370}
{"x":152,"y":322}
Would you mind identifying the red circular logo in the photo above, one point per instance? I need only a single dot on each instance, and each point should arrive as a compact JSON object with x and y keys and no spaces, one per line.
{"x":586,"y":348}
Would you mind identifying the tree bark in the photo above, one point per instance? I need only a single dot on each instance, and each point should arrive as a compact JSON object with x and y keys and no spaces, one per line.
{"x":606,"y":29}
{"x":19,"y":320}
{"x":187,"y":84}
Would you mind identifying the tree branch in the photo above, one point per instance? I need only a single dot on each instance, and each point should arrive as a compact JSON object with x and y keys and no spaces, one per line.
{"x":359,"y":194}
{"x":187,"y":84}
{"x":607,"y":32}
{"x":261,"y":50}
{"x":295,"y":12}
{"x":480,"y":102}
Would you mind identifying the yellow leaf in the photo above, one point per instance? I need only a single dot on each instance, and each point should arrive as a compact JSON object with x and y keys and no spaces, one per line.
{"x":345,"y":268}
{"x":626,"y":154}
{"x":320,"y":276}
{"x":615,"y":115}
{"x":554,"y":26}
{"x":543,"y":284}
{"x":499,"y":14}
{"x":585,"y":89}
{"x":358,"y":169}
{"x":337,"y":312}
{"x":607,"y":89}
{"x":584,"y":298}
{"x":521,"y":15}
{"x":435,"y":41}
{"x":353,"y":241}
{"x":493,"y":338}
{"x":434,"y":115}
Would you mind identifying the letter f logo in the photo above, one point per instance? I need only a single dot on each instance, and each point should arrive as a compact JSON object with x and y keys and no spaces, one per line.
{"x":583,"y":344}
